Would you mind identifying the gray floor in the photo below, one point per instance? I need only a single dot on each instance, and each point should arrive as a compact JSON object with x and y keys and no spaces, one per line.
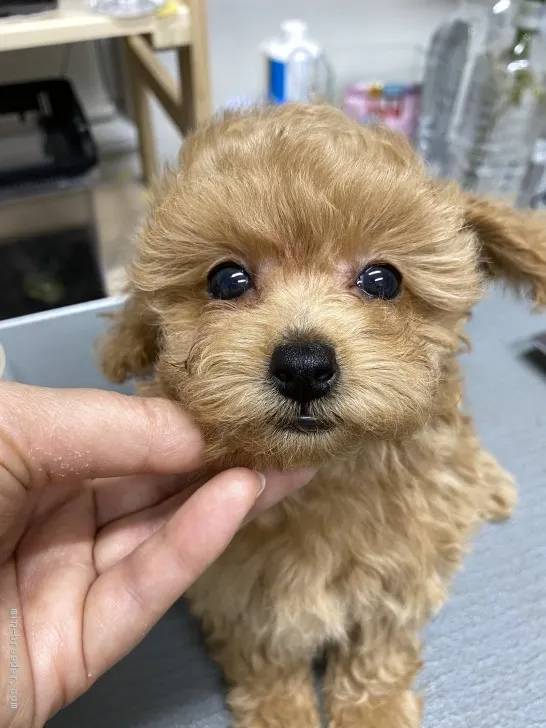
{"x":485,"y":654}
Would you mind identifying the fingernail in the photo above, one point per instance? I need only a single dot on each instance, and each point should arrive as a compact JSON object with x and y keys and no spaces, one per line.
{"x":261,"y":476}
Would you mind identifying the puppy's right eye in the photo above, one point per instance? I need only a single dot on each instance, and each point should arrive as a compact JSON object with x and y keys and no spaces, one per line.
{"x":228,"y":281}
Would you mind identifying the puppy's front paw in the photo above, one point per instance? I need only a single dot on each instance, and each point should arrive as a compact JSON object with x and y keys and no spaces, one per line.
{"x":400,"y":710}
{"x":289,"y":701}
{"x":285,"y":712}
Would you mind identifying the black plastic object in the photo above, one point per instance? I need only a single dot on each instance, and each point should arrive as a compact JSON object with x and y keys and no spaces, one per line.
{"x":50,"y":110}
{"x":25,"y":7}
{"x":48,"y":271}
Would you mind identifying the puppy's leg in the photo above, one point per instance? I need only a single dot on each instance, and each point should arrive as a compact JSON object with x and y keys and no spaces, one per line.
{"x":403,"y":709}
{"x":265,"y":692}
{"x":280,"y":696}
{"x":369,"y":688}
{"x":500,"y":493}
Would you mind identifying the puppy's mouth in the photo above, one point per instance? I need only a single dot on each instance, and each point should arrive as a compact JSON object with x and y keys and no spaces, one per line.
{"x":308,"y":424}
{"x":305,"y":422}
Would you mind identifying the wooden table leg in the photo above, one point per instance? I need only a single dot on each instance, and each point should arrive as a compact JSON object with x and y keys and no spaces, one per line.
{"x":142,"y":117}
{"x":193,"y":65}
{"x":187,"y":111}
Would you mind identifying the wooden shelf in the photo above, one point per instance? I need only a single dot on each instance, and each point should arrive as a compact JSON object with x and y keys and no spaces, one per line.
{"x":178,"y":24}
{"x":72,"y":26}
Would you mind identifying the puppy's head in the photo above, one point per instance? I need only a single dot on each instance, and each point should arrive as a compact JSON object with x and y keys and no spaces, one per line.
{"x":301,"y":285}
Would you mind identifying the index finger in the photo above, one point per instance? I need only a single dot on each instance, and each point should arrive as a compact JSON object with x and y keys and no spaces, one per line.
{"x":50,"y":434}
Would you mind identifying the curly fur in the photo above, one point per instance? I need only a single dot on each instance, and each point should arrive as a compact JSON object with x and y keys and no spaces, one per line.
{"x":356,"y":562}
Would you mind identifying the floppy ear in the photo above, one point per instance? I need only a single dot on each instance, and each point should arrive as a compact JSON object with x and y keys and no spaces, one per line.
{"x":130,"y":346}
{"x":513,"y":244}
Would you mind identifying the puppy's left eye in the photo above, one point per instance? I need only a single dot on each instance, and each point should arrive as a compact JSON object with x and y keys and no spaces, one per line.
{"x":380,"y":281}
{"x":228,"y":281}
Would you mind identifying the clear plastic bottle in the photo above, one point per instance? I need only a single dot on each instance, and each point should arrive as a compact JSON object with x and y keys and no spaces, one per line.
{"x":502,"y":113}
{"x":453,"y":48}
{"x":533,"y":187}
{"x":501,"y":25}
{"x":445,"y":63}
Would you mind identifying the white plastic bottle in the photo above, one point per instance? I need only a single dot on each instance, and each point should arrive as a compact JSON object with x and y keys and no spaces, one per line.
{"x":295,"y":65}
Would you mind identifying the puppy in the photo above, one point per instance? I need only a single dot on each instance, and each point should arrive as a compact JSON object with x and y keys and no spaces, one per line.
{"x":301,"y":287}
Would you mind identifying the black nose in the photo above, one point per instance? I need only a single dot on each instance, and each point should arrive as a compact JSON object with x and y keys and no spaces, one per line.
{"x":303,"y":371}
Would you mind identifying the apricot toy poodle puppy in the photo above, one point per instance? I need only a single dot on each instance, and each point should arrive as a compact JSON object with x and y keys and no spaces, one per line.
{"x":301,"y":287}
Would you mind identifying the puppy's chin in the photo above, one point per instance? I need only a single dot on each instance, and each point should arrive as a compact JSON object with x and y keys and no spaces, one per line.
{"x":266,"y":446}
{"x":280,"y":448}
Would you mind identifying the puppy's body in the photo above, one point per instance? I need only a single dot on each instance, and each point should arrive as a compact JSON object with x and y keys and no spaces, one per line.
{"x":299,"y":201}
{"x":352,"y":565}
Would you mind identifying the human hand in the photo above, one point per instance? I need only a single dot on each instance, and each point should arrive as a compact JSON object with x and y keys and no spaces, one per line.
{"x":100,"y":533}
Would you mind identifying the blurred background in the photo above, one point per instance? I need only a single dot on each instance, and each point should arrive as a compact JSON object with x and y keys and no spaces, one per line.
{"x":97,"y":95}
